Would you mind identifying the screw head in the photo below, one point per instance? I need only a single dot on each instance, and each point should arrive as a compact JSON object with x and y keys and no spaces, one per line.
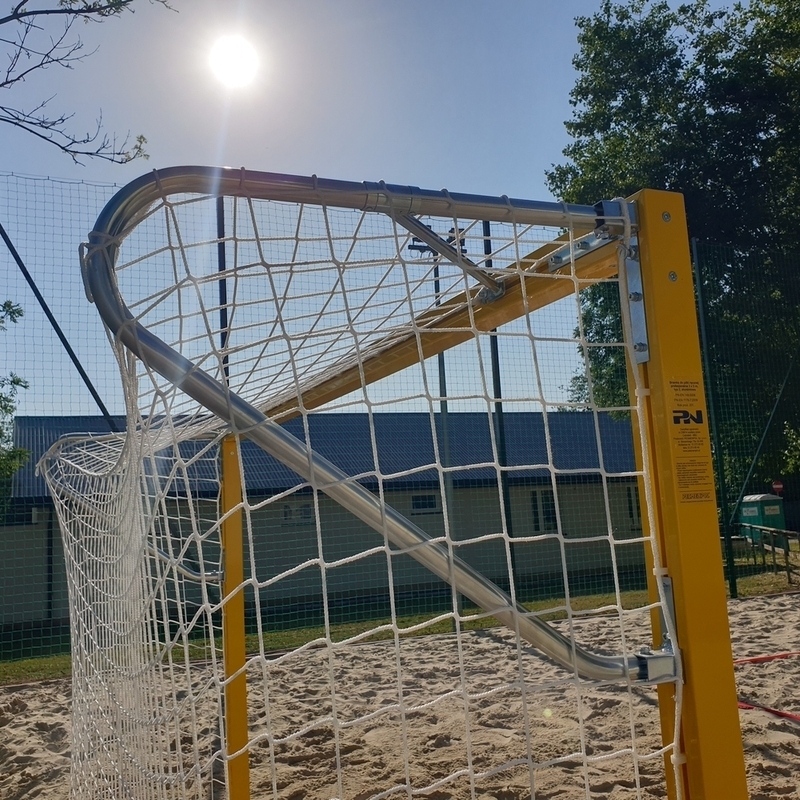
{"x":666,"y":216}
{"x":673,"y":276}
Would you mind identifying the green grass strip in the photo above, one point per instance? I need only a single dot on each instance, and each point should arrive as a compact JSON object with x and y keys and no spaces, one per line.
{"x":49,"y":667}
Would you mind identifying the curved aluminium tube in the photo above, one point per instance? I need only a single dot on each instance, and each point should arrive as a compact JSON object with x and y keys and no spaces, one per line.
{"x":390,"y":199}
{"x":243,"y":418}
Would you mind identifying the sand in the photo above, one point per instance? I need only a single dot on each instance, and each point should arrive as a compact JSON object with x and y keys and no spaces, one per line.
{"x":502,"y":730}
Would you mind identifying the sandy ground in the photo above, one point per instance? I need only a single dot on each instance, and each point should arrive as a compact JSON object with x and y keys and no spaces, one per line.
{"x":525,"y":722}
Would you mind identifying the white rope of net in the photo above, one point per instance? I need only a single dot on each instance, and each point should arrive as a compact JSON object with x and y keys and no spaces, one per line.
{"x":290,"y":330}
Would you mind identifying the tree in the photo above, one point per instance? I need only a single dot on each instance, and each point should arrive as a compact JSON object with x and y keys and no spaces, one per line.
{"x":695,"y":101}
{"x":41,"y":36}
{"x":11,"y":458}
{"x":705,"y":102}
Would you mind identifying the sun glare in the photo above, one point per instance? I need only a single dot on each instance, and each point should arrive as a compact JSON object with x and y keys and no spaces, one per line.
{"x":234,"y":61}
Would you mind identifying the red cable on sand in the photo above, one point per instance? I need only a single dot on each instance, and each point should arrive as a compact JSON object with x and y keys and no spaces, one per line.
{"x":764,"y":659}
{"x":748,"y":704}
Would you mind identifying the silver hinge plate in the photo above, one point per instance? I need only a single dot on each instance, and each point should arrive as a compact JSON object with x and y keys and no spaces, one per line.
{"x":633,"y":278}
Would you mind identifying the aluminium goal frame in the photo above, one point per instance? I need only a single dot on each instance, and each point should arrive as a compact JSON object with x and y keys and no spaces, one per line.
{"x":669,"y":368}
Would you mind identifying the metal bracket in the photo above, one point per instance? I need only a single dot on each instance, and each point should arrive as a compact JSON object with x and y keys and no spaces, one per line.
{"x":570,"y":252}
{"x":454,"y":255}
{"x":633,"y":278}
{"x":659,"y":666}
{"x":486,"y":295}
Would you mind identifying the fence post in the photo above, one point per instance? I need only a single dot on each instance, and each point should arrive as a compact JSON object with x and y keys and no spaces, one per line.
{"x":786,"y":555}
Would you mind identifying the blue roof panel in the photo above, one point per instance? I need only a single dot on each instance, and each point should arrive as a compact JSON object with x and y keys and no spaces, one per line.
{"x":403,"y":449}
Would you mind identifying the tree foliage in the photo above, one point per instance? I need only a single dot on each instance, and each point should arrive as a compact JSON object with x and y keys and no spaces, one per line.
{"x":751,"y":305}
{"x":705,"y":102}
{"x":601,"y":325}
{"x":40,"y":36}
{"x":11,"y":458}
{"x":693,"y":100}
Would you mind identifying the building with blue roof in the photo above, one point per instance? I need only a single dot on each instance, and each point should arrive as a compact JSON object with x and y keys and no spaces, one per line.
{"x":404,"y":444}
{"x":564,"y":510}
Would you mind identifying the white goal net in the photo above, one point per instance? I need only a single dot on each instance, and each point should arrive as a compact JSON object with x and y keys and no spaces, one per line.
{"x":378,"y":524}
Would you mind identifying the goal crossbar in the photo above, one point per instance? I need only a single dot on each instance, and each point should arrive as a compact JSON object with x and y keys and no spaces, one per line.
{"x":134,"y":199}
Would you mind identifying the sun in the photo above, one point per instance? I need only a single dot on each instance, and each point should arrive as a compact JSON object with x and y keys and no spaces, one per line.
{"x":233,"y":61}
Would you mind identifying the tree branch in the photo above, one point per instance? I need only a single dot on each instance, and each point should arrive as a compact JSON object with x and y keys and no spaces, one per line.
{"x":52,"y":131}
{"x":58,"y":52}
{"x":31,"y":48}
{"x":85,"y":10}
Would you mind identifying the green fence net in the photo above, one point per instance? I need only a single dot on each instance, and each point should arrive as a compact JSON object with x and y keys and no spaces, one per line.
{"x":747,"y":309}
{"x":45,"y":220}
{"x":749,"y":315}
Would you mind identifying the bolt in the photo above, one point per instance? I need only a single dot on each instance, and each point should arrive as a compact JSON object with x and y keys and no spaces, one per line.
{"x":666,"y":216}
{"x":640,"y":347}
{"x":673,"y":276}
{"x":635,"y":297}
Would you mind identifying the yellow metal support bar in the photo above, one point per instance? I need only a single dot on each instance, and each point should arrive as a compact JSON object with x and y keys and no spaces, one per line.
{"x":455,"y":321}
{"x":233,"y":644}
{"x":676,"y":421}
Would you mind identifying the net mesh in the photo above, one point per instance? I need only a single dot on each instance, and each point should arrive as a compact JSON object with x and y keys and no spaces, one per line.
{"x":367,"y":675}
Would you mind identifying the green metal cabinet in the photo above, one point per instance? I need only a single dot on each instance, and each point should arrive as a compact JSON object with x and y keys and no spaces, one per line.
{"x":765,"y":510}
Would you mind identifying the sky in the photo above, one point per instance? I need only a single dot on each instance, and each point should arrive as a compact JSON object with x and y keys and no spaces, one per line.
{"x":465,"y":94}
{"x":468,"y":95}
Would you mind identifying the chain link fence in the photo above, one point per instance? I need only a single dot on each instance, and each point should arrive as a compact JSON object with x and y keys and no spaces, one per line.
{"x":748,"y":311}
{"x":749,"y":315}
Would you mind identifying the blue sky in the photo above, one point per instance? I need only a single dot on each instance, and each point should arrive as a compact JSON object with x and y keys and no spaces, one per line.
{"x":467,"y":94}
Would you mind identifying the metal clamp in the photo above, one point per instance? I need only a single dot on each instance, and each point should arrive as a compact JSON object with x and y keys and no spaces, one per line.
{"x":657,"y":666}
{"x":446,"y":250}
{"x":660,"y":665}
{"x":572,"y":251}
{"x":635,"y":300}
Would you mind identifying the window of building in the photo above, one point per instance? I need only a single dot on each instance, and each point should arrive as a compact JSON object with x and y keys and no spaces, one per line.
{"x":543,"y":506}
{"x":634,"y":509}
{"x":298,"y":514}
{"x":425,"y":503}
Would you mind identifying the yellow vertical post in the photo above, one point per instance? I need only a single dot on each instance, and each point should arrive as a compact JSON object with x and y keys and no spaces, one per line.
{"x":233,"y":643}
{"x":676,"y":422}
